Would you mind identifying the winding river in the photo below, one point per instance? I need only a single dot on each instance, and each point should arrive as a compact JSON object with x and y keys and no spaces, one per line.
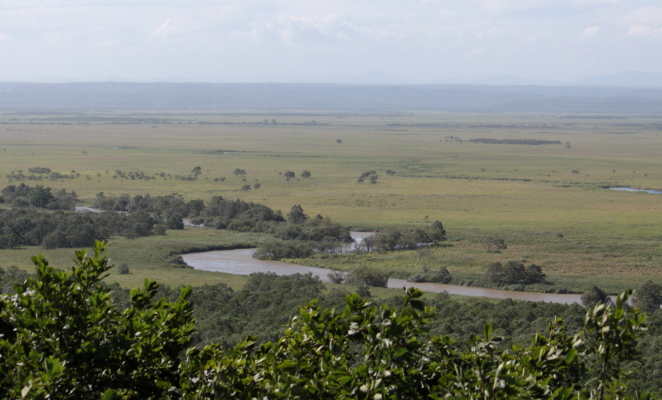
{"x":241,"y":262}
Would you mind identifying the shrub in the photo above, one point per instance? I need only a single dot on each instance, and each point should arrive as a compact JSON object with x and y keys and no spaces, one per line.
{"x":367,"y":276}
{"x":594,"y":296}
{"x":439,"y":276}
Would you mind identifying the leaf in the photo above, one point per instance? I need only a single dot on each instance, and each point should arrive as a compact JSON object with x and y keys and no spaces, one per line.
{"x":286,"y":364}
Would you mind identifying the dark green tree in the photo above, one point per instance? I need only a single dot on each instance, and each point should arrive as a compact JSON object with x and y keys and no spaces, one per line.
{"x":594,"y":296}
{"x":648,"y":297}
{"x":62,"y":337}
{"x":305,"y":174}
{"x":296,"y":215}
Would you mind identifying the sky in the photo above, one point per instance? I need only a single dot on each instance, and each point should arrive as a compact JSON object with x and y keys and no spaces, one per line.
{"x":418,"y":41}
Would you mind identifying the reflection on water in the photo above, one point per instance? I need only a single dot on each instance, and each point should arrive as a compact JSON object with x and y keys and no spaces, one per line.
{"x":241,"y":262}
{"x":626,"y":189}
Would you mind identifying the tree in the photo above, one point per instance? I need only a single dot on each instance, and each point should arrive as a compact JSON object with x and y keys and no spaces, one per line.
{"x":62,"y":337}
{"x":124,"y":269}
{"x":289,"y":174}
{"x":390,"y":172}
{"x":366,"y":276}
{"x":296,"y":215}
{"x":595,"y":296}
{"x":239,"y":172}
{"x":257,"y":186}
{"x":196,"y":171}
{"x":305,"y":174}
{"x":373,"y":179}
{"x":246,"y":188}
{"x":648,"y":297}
{"x":339,"y":141}
{"x":497,"y":244}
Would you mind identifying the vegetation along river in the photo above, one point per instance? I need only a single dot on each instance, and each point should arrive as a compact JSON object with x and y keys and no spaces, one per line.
{"x":241,"y":262}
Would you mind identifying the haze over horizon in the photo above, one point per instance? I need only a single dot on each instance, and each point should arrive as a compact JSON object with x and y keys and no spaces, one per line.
{"x":429,"y":41}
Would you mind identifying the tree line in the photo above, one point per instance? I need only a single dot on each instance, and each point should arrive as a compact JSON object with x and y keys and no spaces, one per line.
{"x":533,"y":142}
{"x":38,"y":197}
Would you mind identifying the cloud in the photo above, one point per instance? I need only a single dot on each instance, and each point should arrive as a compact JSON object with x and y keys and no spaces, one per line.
{"x":646,"y":16}
{"x":644,"y":31}
{"x":292,"y":29}
{"x":591,"y":31}
{"x":168,"y":29}
{"x":3,"y":37}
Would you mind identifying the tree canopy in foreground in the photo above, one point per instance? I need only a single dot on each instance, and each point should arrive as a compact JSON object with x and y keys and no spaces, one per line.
{"x":62,"y":337}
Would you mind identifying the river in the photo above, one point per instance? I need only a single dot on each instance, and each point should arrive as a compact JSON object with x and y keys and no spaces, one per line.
{"x":627,"y":189}
{"x":241,"y":262}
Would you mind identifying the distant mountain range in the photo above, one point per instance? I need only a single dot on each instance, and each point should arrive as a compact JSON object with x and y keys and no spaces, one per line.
{"x":632,"y":79}
{"x":621,"y":79}
{"x":335,"y":97}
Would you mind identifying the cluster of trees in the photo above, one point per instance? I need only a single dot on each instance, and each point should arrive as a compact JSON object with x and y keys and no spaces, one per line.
{"x":360,"y":276}
{"x":25,"y":227}
{"x":18,"y":175}
{"x":534,"y":142}
{"x":61,"y":336}
{"x":405,"y":239}
{"x":39,"y":170}
{"x":132,"y":175}
{"x":302,"y":236}
{"x":39,"y":197}
{"x":513,"y":273}
{"x":218,"y":212}
{"x":440,"y":275}
{"x":371,"y":176}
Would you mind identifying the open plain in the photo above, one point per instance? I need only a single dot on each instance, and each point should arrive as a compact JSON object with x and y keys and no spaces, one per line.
{"x":548,"y":202}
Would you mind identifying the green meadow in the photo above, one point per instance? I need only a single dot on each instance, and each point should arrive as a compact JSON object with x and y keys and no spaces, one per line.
{"x":548,"y":202}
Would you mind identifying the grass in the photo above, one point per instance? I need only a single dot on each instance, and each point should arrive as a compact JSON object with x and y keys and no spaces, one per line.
{"x":524,"y":194}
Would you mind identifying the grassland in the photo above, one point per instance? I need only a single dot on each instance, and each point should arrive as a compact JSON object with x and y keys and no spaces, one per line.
{"x":525,"y":194}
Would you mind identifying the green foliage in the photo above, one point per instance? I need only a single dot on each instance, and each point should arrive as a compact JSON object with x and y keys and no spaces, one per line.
{"x":365,"y":351}
{"x":63,"y":338}
{"x":514,"y":272}
{"x":438,"y":276}
{"x":21,"y":227}
{"x":39,"y":197}
{"x":277,"y":250}
{"x":648,"y":297}
{"x":594,"y":296}
{"x":296,"y":215}
{"x":406,"y":239}
{"x":314,"y":229}
{"x":366,"y":276}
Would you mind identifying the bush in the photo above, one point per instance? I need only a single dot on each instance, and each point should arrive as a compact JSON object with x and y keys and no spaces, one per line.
{"x":514,"y":272}
{"x":648,"y":297}
{"x":366,"y":276}
{"x":280,"y":250}
{"x":439,"y":276}
{"x":594,"y":296}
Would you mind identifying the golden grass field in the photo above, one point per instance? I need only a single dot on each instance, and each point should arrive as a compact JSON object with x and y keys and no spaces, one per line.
{"x":523,"y":193}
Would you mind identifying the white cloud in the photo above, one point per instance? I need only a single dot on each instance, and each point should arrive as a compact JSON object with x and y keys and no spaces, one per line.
{"x":3,"y":37}
{"x":168,"y":29}
{"x":591,"y":31}
{"x":646,"y":16}
{"x":644,"y":31}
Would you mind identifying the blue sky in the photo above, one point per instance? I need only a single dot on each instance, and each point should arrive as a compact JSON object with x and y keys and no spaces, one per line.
{"x":288,"y":40}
